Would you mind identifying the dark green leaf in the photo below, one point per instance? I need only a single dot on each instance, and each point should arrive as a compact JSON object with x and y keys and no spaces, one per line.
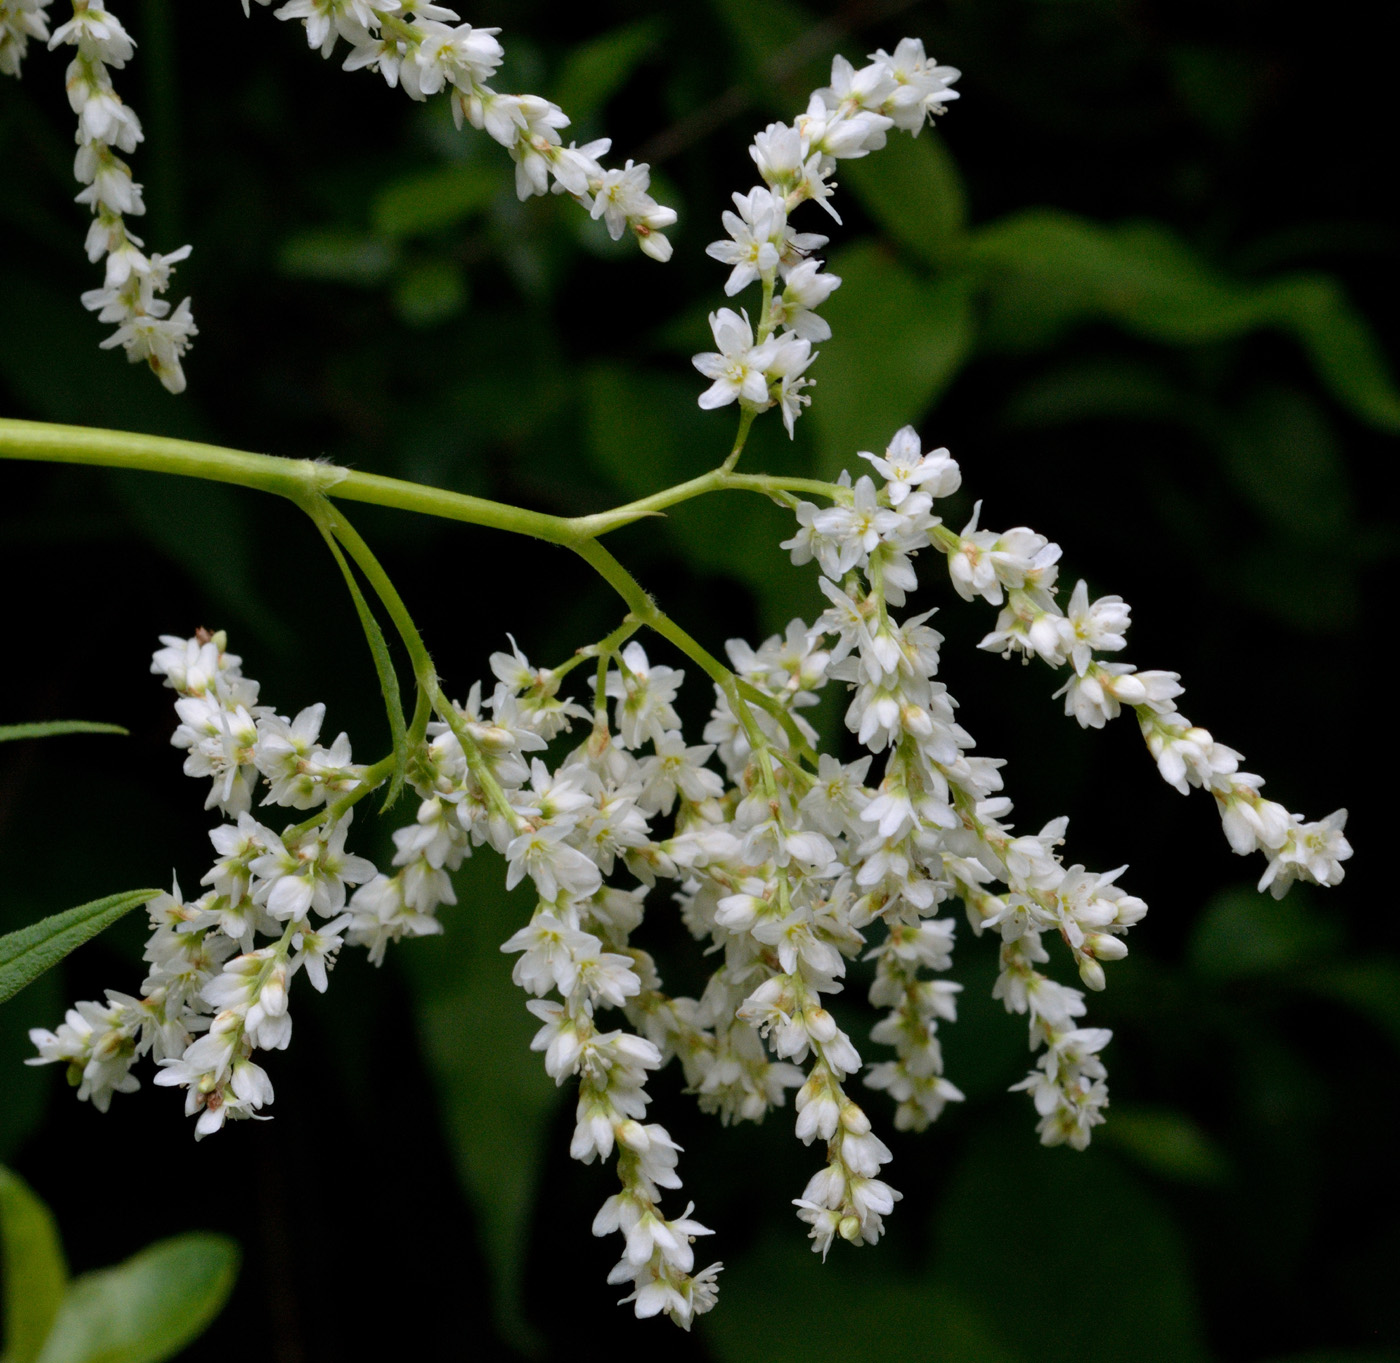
{"x":912,"y":188}
{"x":596,"y":71}
{"x":1048,"y":271}
{"x":148,"y":1308}
{"x":1371,"y":988}
{"x":52,"y":728}
{"x":429,"y":292}
{"x":431,"y":201}
{"x":1166,"y":1143}
{"x":778,"y":41}
{"x":1243,"y":934}
{"x":897,"y":342}
{"x":35,"y":1275}
{"x":28,"y":952}
{"x":848,"y":1309}
{"x":338,"y":256}
{"x":1283,"y":455}
{"x":496,"y":1099}
{"x":1066,"y":1209}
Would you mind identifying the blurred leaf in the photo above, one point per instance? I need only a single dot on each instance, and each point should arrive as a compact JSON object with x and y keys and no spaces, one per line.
{"x":1310,"y":592}
{"x":148,"y":1308}
{"x":27,"y":1087}
{"x":1282,"y":454}
{"x":1110,"y":388}
{"x":431,"y":200}
{"x":1048,"y":271}
{"x":1221,"y":88}
{"x":207,"y":529}
{"x":645,"y":431}
{"x":1371,"y":988}
{"x":1342,"y":1356}
{"x":897,"y":342}
{"x":1016,"y":1227}
{"x":848,"y":1309}
{"x":28,"y":952}
{"x":774,"y":29}
{"x":35,"y":1275}
{"x":496,"y":1099}
{"x":52,"y":728}
{"x":429,"y":292}
{"x":1165,"y":1142}
{"x":594,"y":72}
{"x":1243,"y":934}
{"x":913,"y":189}
{"x":338,"y":255}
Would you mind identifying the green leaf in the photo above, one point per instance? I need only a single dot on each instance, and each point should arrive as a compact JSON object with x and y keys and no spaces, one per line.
{"x":596,"y":71}
{"x":912,"y":188}
{"x":50,"y":729}
{"x":781,"y":44}
{"x":148,"y":1308}
{"x":1243,"y":935}
{"x":1282,"y":454}
{"x":35,"y":1275}
{"x":1047,"y":271}
{"x":1371,"y":988}
{"x":28,"y":952}
{"x":429,"y":292}
{"x":897,"y":342}
{"x":497,"y":1101}
{"x":1165,"y":1142}
{"x":338,"y":256}
{"x":1067,"y":1209}
{"x":433,"y":200}
{"x":778,"y":1300}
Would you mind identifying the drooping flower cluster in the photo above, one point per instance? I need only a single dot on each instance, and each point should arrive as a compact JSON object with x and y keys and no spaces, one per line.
{"x":214,"y":996}
{"x":131,"y":293}
{"x":786,"y":862}
{"x":1015,"y":571}
{"x":848,"y":118}
{"x":426,"y":49}
{"x":20,"y":20}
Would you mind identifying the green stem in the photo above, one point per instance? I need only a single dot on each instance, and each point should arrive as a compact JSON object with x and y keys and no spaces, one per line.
{"x":304,"y":480}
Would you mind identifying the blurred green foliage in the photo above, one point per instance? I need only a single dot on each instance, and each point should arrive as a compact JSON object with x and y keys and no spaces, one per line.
{"x":1141,"y":279}
{"x":142,"y":1311}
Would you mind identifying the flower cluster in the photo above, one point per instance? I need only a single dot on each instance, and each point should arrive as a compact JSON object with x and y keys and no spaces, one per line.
{"x":787,"y":863}
{"x":130,"y":296}
{"x":425,"y":49}
{"x":213,"y":995}
{"x":796,"y":161}
{"x":1016,"y":572}
{"x":20,"y":20}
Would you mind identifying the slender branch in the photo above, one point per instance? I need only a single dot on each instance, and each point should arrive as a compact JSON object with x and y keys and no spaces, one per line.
{"x":304,"y":480}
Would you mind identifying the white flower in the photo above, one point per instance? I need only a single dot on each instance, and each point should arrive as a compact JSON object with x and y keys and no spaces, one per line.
{"x":739,"y":367}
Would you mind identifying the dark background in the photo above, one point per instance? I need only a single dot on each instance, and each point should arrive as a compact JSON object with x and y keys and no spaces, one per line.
{"x":1140,"y":280}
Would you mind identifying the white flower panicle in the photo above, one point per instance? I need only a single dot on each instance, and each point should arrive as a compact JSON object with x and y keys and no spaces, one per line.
{"x":131,"y":294}
{"x":20,"y":20}
{"x":425,"y":49}
{"x":1016,"y":571}
{"x":849,"y":118}
{"x":784,"y":862}
{"x":214,"y":996}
